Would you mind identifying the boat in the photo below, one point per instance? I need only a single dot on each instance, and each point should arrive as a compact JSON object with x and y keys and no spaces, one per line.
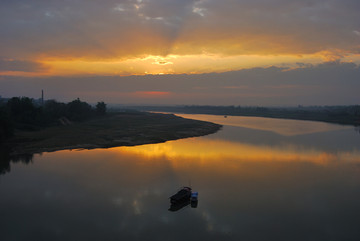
{"x":194,"y":199}
{"x":194,"y":196}
{"x":182,"y":195}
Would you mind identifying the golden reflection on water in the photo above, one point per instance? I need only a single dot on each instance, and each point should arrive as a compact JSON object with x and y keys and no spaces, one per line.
{"x":220,"y":155}
{"x":211,"y":151}
{"x":279,"y":185}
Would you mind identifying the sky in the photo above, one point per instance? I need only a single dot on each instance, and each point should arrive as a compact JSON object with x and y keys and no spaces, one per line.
{"x":228,"y":52}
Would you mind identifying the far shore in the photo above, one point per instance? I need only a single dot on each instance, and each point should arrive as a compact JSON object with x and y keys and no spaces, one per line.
{"x":112,"y":130}
{"x":343,"y":115}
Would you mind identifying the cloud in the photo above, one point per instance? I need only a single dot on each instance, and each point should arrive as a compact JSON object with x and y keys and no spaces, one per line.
{"x":123,"y":28}
{"x":151,"y":94}
{"x":331,"y":83}
{"x":21,"y":65}
{"x":356,"y":32}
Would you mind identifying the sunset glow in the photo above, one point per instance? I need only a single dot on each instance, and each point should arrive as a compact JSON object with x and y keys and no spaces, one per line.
{"x":71,"y":40}
{"x":172,"y":64}
{"x":180,"y":119}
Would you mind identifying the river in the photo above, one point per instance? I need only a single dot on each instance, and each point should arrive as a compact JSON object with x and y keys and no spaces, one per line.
{"x":257,"y":179}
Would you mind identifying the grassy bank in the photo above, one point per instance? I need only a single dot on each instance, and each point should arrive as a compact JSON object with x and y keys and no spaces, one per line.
{"x":115,"y":129}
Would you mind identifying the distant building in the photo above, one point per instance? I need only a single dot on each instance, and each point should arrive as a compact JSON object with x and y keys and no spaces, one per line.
{"x":39,"y":101}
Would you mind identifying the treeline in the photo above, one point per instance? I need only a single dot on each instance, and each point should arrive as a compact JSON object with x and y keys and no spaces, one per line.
{"x":349,"y":115}
{"x":6,"y":158}
{"x":25,"y":114}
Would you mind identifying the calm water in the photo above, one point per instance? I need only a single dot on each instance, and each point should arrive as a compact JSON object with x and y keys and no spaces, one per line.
{"x":257,"y":178}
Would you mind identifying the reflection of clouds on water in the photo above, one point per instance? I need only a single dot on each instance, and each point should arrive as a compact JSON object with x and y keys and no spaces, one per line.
{"x":257,"y":140}
{"x":210,"y":224}
{"x":233,"y":196}
{"x":357,"y":129}
{"x":213,"y":151}
{"x":164,"y":219}
{"x":136,"y":207}
{"x":247,"y":191}
{"x":118,"y":201}
{"x":284,"y":127}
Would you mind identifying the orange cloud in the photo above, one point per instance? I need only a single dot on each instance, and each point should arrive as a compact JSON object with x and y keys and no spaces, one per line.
{"x":171,"y":64}
{"x":152,"y":94}
{"x":178,"y":64}
{"x":174,"y":37}
{"x":210,"y":32}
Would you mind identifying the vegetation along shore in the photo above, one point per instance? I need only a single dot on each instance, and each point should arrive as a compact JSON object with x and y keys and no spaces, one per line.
{"x":28,"y":128}
{"x":344,"y":115}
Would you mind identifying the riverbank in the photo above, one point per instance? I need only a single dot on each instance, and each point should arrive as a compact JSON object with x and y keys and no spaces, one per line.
{"x":343,"y":115}
{"x":115,"y":129}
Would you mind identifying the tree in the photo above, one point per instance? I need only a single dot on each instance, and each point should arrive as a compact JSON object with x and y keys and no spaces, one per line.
{"x":78,"y":110}
{"x":17,"y":106}
{"x":6,"y":127}
{"x":22,"y":110}
{"x":101,"y":108}
{"x":54,"y":109}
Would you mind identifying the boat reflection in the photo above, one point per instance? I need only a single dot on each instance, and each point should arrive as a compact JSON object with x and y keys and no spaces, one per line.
{"x":257,"y":185}
{"x":177,"y":206}
{"x":183,"y":198}
{"x":194,"y":203}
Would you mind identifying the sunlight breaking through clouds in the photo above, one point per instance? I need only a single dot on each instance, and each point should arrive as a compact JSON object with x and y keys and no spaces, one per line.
{"x":180,"y":37}
{"x":114,"y":29}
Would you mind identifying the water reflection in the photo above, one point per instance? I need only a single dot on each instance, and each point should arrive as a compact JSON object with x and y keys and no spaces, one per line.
{"x":283,"y":188}
{"x":214,"y":152}
{"x":284,"y":127}
{"x":177,"y":206}
{"x":6,"y":158}
{"x":357,"y":129}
